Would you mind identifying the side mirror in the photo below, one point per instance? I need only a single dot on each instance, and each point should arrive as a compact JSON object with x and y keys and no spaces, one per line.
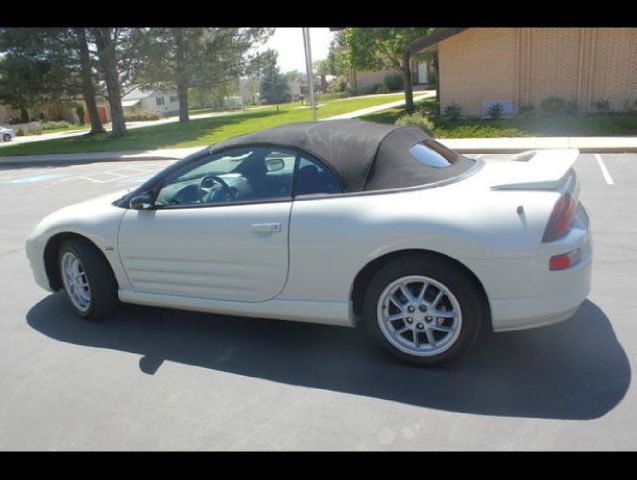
{"x":143,"y":201}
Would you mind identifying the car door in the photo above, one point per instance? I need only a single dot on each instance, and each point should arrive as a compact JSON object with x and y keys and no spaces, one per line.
{"x":201,"y":241}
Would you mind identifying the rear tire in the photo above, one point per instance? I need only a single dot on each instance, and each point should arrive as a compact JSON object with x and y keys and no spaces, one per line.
{"x":424,"y":310}
{"x":6,"y":137}
{"x":87,"y":279}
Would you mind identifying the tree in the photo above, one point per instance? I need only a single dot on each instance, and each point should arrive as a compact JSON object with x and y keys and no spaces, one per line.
{"x":274,"y":84}
{"x":44,"y":65}
{"x":336,"y":54}
{"x":383,"y":48}
{"x":291,"y":75}
{"x":322,"y":69}
{"x":88,"y":88}
{"x":106,"y":39}
{"x":203,"y":58}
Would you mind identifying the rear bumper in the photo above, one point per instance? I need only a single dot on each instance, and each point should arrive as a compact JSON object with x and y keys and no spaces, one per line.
{"x":523,"y":293}
{"x":523,"y":313}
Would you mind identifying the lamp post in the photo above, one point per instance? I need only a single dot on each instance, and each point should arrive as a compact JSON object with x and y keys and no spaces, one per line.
{"x":308,"y":67}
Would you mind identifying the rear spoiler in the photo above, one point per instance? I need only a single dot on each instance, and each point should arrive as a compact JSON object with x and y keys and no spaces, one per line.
{"x":535,"y":170}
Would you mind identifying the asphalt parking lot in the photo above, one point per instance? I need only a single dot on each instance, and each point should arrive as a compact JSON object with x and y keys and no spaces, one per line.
{"x":164,"y":379}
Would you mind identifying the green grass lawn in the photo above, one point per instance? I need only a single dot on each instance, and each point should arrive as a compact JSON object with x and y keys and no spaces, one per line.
{"x":392,"y":114}
{"x":565,"y":126}
{"x":532,"y":126}
{"x":198,"y":132}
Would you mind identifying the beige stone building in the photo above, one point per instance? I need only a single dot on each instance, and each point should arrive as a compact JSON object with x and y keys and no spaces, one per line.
{"x":520,"y":66}
{"x":364,"y":78}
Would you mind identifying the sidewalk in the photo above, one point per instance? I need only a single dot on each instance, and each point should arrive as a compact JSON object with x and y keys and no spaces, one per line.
{"x":380,"y":108}
{"x":137,"y":155}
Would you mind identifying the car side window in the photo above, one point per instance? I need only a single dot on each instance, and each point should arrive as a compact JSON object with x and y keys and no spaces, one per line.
{"x":313,"y":177}
{"x":239,"y":175}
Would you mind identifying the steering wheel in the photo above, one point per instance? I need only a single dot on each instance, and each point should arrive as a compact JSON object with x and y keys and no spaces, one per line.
{"x":207,"y":188}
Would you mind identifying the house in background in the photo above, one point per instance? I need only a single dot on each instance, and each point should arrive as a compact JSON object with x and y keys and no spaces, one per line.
{"x":8,"y":114}
{"x":55,"y":111}
{"x":164,"y":102}
{"x":478,"y":67}
{"x":361,"y":79}
{"x":299,"y":85}
{"x":248,"y":90}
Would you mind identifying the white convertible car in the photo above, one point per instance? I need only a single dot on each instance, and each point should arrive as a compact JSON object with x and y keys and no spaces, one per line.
{"x":340,"y":222}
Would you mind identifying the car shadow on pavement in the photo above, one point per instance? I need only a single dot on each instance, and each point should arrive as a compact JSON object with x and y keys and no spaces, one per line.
{"x":572,"y":370}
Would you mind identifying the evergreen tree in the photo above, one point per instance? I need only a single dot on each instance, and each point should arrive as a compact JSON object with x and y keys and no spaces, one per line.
{"x":274,"y":85}
{"x":46,"y":65}
{"x":205,"y":58}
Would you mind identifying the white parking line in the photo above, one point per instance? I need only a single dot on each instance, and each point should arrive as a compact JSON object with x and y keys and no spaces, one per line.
{"x":607,"y":177}
{"x":93,"y":178}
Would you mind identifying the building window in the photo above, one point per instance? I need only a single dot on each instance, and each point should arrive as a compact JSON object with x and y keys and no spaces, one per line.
{"x":173,"y":99}
{"x":160,"y":101}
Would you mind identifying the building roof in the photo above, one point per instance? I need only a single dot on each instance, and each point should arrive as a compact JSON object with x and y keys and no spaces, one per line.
{"x":138,"y":93}
{"x":429,"y":42}
{"x":364,"y":155}
{"x":131,"y":103}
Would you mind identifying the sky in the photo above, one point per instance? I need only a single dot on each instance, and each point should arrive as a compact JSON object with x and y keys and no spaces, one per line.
{"x":288,"y":42}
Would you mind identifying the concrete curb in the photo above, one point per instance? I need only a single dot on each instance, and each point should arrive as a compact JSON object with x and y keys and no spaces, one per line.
{"x":80,"y":158}
{"x":600,"y":150}
{"x":520,"y":144}
{"x":461,"y":145}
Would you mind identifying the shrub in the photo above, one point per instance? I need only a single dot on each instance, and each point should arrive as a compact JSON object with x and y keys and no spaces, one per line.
{"x":331,"y":96}
{"x":417,"y":120}
{"x":53,"y":125}
{"x":630,"y":104}
{"x":453,"y":112}
{"x":79,"y":111}
{"x":339,"y":84}
{"x":527,"y":109}
{"x":602,"y":106}
{"x":382,"y":89}
{"x":394,"y":81}
{"x":368,"y":90}
{"x":558,"y":105}
{"x":20,"y":132}
{"x":554,"y":105}
{"x":571,"y":105}
{"x":142,"y":116}
{"x":429,"y":107}
{"x":495,"y":111}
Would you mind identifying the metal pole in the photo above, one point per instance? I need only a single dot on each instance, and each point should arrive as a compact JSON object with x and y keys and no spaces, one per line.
{"x":308,"y":67}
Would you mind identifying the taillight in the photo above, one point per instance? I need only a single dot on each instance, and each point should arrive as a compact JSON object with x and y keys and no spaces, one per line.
{"x":565,"y":260}
{"x":561,"y":218}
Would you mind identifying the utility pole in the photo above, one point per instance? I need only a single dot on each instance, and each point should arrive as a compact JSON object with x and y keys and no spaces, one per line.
{"x":308,"y":67}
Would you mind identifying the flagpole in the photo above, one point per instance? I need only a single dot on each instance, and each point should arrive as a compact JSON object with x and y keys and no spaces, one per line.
{"x":308,"y":67}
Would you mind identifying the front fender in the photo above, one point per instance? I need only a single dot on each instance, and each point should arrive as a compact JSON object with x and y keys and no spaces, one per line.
{"x":96,"y":219}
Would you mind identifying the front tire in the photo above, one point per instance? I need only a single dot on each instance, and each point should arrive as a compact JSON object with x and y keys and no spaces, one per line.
{"x":424,"y":310}
{"x":88,"y":281}
{"x":6,"y":137}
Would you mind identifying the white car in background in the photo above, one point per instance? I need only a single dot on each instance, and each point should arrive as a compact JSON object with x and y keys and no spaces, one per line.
{"x":339,"y":222}
{"x":6,"y":134}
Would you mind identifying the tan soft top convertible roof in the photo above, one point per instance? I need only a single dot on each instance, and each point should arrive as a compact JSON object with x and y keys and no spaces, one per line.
{"x":365,"y":155}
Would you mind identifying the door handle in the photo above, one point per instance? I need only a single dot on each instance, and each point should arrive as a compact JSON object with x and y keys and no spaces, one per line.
{"x":265,"y":227}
